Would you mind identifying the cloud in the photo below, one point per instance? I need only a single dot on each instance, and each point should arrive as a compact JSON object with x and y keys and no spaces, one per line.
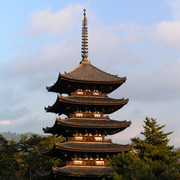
{"x":175,"y":5}
{"x":53,"y":57}
{"x":5,"y":122}
{"x":130,"y":132}
{"x":160,"y":84}
{"x":169,"y":32}
{"x":9,"y":94}
{"x":54,"y":23}
{"x":8,"y":113}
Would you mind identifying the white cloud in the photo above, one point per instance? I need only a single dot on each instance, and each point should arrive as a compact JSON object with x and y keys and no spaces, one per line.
{"x":5,"y":122}
{"x":53,"y":57}
{"x":54,"y":23}
{"x":169,"y":32}
{"x":175,"y":5}
{"x":130,"y":132}
{"x":160,"y":84}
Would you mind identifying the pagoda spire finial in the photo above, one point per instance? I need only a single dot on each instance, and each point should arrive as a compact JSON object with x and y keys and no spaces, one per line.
{"x":84,"y":52}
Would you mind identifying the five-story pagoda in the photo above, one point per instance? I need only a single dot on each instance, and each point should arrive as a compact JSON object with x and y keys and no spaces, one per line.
{"x":86,"y":150}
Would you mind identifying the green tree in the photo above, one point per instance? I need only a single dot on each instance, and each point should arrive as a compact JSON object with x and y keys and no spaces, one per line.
{"x":9,"y":160}
{"x":151,"y":158}
{"x":33,"y":159}
{"x":22,"y":160}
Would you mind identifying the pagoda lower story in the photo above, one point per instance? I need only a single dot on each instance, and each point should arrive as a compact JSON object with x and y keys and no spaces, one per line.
{"x":86,"y":151}
{"x":86,"y":156}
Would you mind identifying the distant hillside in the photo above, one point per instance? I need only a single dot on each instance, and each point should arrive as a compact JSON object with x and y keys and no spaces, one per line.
{"x":16,"y":137}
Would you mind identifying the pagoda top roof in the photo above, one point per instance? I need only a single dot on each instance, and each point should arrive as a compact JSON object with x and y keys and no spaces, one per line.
{"x":88,"y":73}
{"x":91,"y":147}
{"x":84,"y":170}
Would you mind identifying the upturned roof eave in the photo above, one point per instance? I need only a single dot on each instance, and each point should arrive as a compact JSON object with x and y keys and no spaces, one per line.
{"x":62,"y":171}
{"x":121,"y":80}
{"x":59,"y":146}
{"x":54,"y":107}
{"x":121,"y":101}
{"x":95,"y":127}
{"x":60,"y":125}
{"x":71,"y":149}
{"x":60,"y":122}
{"x":50,"y":88}
{"x":62,"y":77}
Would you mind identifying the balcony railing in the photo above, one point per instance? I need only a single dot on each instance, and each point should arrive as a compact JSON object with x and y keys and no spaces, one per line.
{"x":88,"y":115}
{"x":87,"y":163}
{"x":88,"y":93}
{"x":88,"y":139}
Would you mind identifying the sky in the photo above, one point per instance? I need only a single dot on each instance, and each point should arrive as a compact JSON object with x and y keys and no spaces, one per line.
{"x":133,"y":38}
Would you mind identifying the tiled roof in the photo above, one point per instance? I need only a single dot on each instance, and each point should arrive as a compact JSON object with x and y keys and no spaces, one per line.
{"x":93,"y":123}
{"x":92,"y":100}
{"x":88,"y":72}
{"x":84,"y":170}
{"x":91,"y":147}
{"x":89,"y":75}
{"x":107,"y":125}
{"x":66,"y":105}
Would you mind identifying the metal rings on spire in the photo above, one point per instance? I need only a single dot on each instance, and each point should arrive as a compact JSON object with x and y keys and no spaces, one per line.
{"x":84,"y":52}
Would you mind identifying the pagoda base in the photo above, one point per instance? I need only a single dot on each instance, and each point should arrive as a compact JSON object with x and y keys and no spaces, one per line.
{"x":78,"y":172}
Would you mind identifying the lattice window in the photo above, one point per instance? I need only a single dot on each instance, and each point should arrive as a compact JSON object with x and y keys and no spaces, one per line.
{"x":100,"y":163}
{"x":78,"y":162}
{"x":98,"y":138}
{"x":97,"y":115}
{"x":79,"y":114}
{"x":78,"y":138}
{"x":79,"y":92}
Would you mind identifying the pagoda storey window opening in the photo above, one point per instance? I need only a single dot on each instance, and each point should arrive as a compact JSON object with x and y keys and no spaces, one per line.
{"x":98,"y":138}
{"x":78,"y":138}
{"x":79,"y":114}
{"x":78,"y":162}
{"x":100,"y":163}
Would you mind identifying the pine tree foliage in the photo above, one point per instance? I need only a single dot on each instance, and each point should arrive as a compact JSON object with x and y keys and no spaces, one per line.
{"x":151,"y":158}
{"x":154,"y":133}
{"x":22,"y":160}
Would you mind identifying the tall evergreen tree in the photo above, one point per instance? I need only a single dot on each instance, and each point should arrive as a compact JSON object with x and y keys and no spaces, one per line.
{"x":151,"y":158}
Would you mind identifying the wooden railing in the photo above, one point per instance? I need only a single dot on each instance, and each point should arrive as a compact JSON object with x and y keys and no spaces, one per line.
{"x":88,"y":139}
{"x":87,"y":115}
{"x":89,"y":93}
{"x":87,"y":163}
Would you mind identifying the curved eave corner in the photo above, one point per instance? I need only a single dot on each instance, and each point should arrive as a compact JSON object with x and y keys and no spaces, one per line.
{"x":47,"y":129}
{"x":53,"y":87}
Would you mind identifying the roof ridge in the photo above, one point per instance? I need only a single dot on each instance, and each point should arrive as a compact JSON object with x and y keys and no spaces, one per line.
{"x":72,"y":70}
{"x":104,"y":71}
